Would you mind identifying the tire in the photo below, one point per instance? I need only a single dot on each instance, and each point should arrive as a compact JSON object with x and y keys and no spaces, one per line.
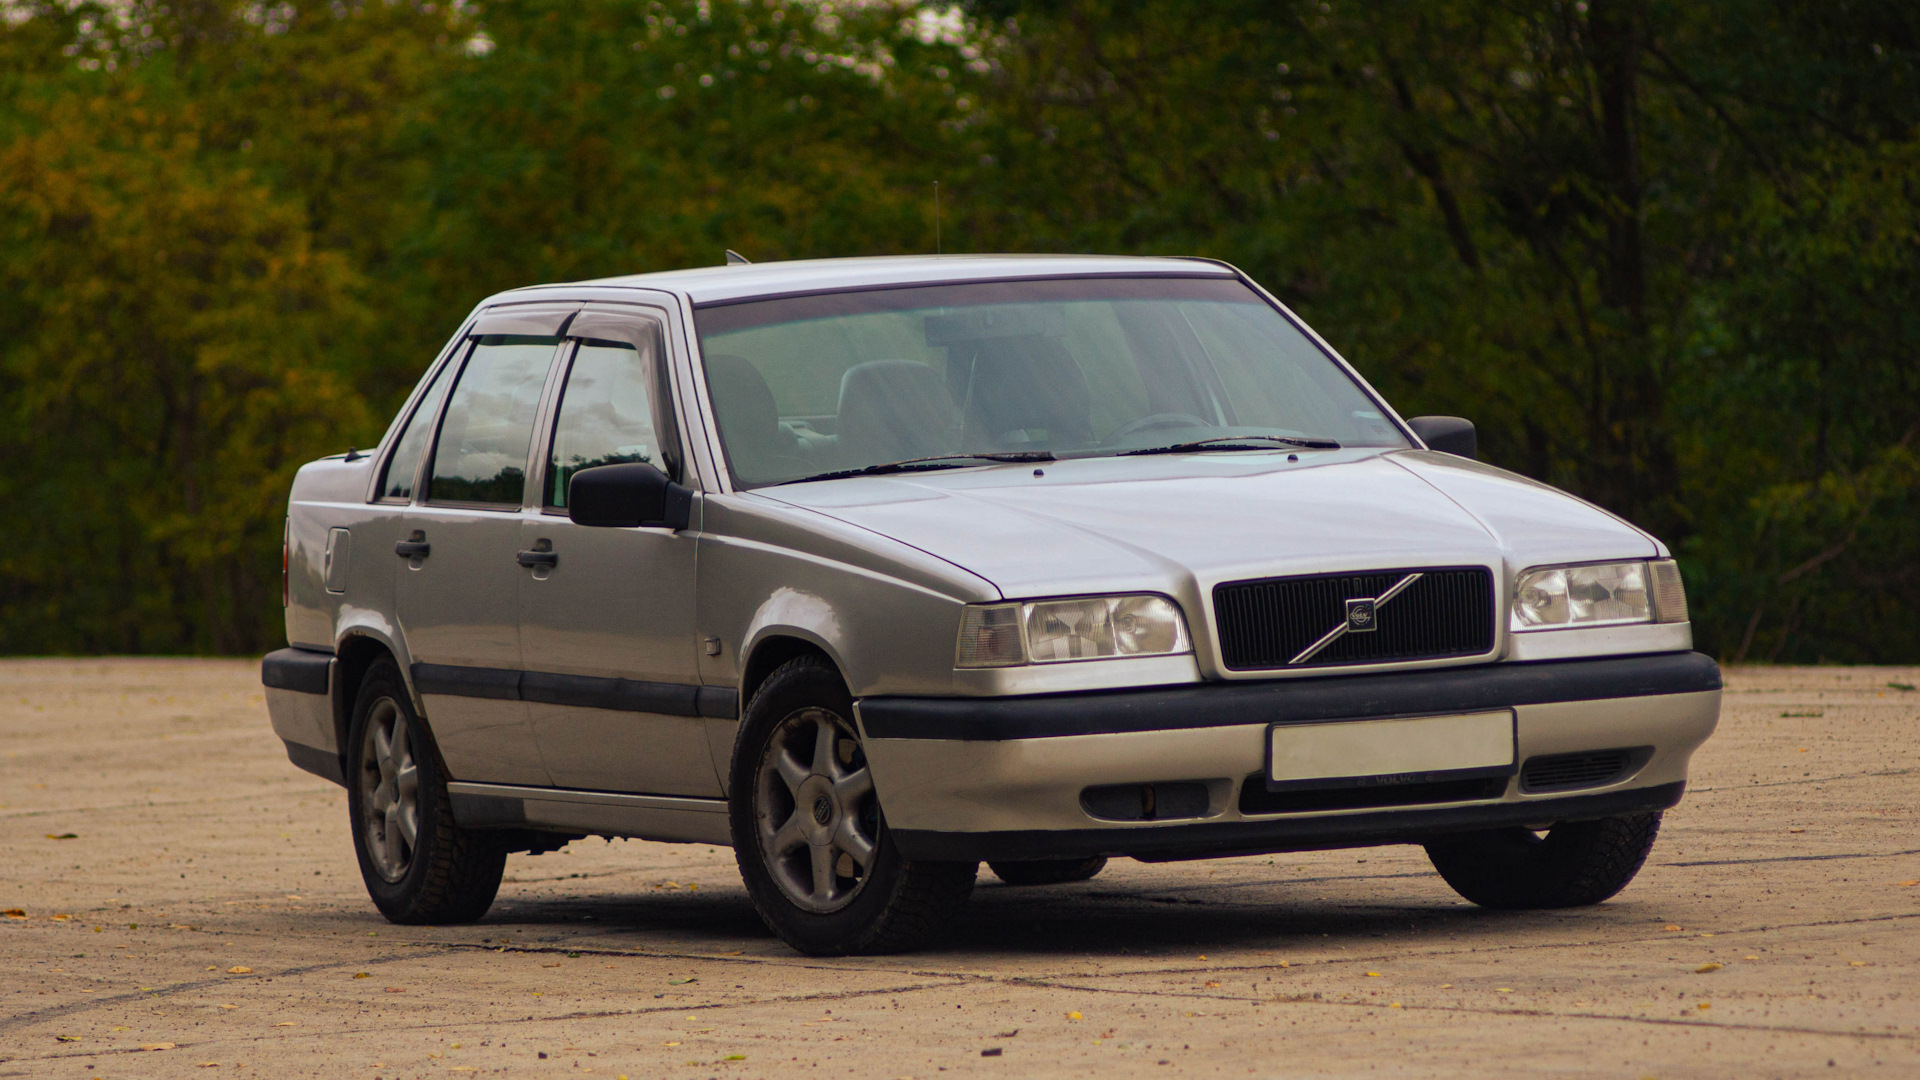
{"x":814,"y":850}
{"x":395,"y":784}
{"x":1048,"y":871}
{"x":1575,"y":864}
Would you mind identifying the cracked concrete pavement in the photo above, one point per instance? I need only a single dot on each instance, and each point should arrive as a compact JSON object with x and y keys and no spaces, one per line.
{"x":184,"y":887}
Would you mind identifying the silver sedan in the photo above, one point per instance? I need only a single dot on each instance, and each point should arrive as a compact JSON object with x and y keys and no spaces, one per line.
{"x":876,"y":569}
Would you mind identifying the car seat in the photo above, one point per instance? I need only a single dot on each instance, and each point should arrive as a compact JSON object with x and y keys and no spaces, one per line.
{"x":891,"y":410}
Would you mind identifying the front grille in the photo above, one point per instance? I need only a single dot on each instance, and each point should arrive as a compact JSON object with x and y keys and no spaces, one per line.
{"x":1265,"y":624}
{"x":1596,"y":768}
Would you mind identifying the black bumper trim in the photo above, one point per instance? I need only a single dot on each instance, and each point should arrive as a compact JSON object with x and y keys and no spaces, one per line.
{"x":1209,"y":840}
{"x":1224,"y":704}
{"x":319,"y":762}
{"x":304,"y":671}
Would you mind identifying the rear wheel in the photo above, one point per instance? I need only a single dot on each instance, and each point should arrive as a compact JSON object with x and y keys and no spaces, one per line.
{"x":808,"y":834}
{"x":1574,"y":864}
{"x":1048,"y":871}
{"x":419,"y":867}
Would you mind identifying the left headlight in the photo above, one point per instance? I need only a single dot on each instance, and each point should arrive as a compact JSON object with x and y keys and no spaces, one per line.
{"x":1055,"y":631}
{"x":1598,"y":594}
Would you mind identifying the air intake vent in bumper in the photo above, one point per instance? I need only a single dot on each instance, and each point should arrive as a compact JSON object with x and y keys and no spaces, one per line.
{"x":1593,"y":768}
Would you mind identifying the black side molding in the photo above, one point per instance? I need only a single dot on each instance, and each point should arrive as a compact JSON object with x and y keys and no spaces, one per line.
{"x":1210,"y":840}
{"x":583,"y":691}
{"x":303,"y":671}
{"x":1224,"y":704}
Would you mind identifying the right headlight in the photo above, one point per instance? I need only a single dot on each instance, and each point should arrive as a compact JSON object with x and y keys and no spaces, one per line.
{"x":1598,"y":594}
{"x":1055,"y":631}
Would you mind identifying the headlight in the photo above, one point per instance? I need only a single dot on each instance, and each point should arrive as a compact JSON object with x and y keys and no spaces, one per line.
{"x":1053,"y":631}
{"x":1598,"y":594}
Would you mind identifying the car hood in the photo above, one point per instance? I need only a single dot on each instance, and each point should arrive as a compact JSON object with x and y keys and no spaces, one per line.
{"x":1123,"y":524}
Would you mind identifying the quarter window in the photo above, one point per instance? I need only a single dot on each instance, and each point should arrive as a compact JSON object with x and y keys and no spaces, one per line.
{"x":405,"y":462}
{"x":605,"y":416}
{"x":481,"y":456}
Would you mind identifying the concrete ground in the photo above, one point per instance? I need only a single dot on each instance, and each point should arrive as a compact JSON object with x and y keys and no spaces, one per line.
{"x":191,"y":903}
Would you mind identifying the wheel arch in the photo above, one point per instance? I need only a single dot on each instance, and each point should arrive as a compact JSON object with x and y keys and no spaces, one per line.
{"x":774,"y":647}
{"x":354,"y":656}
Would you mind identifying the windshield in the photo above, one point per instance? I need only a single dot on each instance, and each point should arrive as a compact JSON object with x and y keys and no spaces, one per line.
{"x":1074,"y":367}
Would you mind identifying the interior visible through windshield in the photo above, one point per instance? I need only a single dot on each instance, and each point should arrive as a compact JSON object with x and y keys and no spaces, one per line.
{"x":842,"y":381}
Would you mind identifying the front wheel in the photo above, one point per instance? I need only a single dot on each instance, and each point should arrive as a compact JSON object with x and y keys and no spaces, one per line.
{"x":1575,"y":864}
{"x":419,"y":867}
{"x":813,"y":848}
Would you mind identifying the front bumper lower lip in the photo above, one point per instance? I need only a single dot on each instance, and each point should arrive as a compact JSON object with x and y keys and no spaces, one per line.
{"x":1212,"y":840}
{"x":1309,"y":700}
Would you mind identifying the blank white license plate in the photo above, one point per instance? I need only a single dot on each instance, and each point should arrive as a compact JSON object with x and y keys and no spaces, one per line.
{"x":1367,"y":748}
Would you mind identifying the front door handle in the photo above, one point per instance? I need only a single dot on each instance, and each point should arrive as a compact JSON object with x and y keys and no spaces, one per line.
{"x":539,"y":558}
{"x":416,"y":548}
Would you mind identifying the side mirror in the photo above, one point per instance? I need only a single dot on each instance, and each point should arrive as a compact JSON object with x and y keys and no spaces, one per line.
{"x":622,"y":496}
{"x":1447,"y":434}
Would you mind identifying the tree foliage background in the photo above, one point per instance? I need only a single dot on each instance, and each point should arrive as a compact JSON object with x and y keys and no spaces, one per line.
{"x":1666,"y":254}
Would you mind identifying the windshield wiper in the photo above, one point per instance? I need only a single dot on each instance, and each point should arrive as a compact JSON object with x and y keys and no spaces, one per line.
{"x":1237,"y":442}
{"x":935,"y":461}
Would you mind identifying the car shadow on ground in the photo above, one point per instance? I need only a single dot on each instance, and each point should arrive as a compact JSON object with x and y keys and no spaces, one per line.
{"x":1082,"y":920}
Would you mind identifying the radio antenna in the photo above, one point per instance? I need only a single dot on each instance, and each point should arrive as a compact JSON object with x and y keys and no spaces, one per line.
{"x":936,"y":217}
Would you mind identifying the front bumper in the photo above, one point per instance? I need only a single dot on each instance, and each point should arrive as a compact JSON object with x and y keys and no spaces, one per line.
{"x":1003,"y":778}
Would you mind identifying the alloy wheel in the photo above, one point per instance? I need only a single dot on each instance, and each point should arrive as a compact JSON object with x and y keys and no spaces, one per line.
{"x":389,"y":791}
{"x":814,"y":809}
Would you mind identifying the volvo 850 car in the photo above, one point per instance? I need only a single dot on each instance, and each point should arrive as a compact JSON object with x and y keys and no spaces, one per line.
{"x":876,"y":569}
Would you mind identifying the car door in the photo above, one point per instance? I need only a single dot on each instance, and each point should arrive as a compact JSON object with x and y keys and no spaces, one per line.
{"x":607,"y":614}
{"x":457,"y":594}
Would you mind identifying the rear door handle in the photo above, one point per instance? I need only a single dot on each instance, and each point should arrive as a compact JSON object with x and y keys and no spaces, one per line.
{"x":539,"y":558}
{"x":412,"y":549}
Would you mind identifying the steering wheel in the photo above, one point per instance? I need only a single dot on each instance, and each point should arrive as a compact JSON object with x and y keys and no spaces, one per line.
{"x":1156,"y":421}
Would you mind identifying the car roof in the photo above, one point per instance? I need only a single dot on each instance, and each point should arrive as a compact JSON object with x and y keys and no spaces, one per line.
{"x":743,"y":281}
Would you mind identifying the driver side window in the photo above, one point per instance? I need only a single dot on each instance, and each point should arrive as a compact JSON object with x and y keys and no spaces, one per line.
{"x":605,"y":416}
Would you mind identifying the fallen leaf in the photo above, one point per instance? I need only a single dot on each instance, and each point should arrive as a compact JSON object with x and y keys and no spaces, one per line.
{"x":1503,"y":990}
{"x":1446,"y":986}
{"x":396,"y":990}
{"x":160,"y":1046}
{"x":1705,"y":1005}
{"x":1373,"y":975}
{"x":1749,"y":958}
{"x":238,"y":970}
{"x":1671,"y":926}
{"x":1213,"y":984}
{"x":550,"y":965}
{"x":1857,"y":963}
{"x":1796,"y":830}
{"x":208,"y":1065}
{"x":991,"y":1051}
{"x":67,"y":1038}
{"x":682,"y":982}
{"x":1704,"y":968}
{"x":61,"y":918}
{"x":229,"y":1006}
{"x":14,"y":913}
{"x":63,"y":836}
{"x":284,"y":1023}
{"x":1073,"y":1016}
{"x":1393,"y":1004}
{"x":735,"y":952}
{"x":361,"y":975}
{"x":734,"y":1057}
{"x":670,"y":1044}
{"x":1904,"y":884}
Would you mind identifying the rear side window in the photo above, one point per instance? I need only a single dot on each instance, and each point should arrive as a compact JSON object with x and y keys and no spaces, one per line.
{"x":481,"y":455}
{"x":405,"y":462}
{"x":606,"y":416}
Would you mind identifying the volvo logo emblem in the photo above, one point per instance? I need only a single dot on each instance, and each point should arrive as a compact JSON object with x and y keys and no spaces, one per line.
{"x":1363,"y":617}
{"x":1360,"y":616}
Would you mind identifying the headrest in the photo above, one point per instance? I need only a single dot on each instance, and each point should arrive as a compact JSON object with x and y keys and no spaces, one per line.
{"x":891,"y":410}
